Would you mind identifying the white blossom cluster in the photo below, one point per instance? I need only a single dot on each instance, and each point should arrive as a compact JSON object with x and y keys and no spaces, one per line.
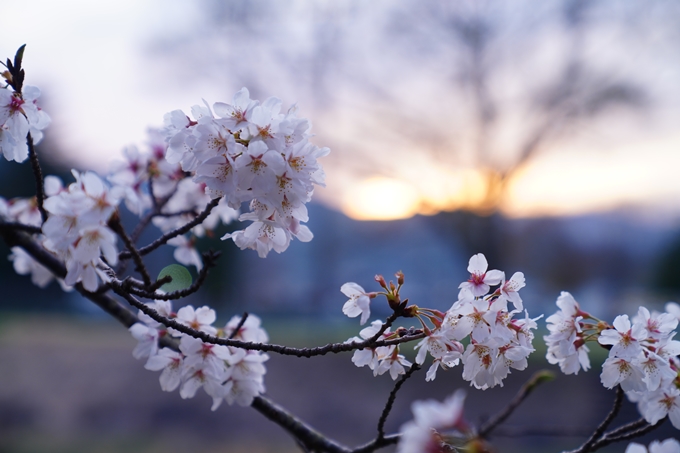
{"x":250,"y":152}
{"x":226,"y":373}
{"x":380,"y":359}
{"x":26,"y":212}
{"x":432,"y":425}
{"x":141,"y":171}
{"x":566,"y":342}
{"x":667,"y":446}
{"x":19,"y":116}
{"x":643,"y":356}
{"x":76,"y":230}
{"x":497,"y":342}
{"x":138,"y":168}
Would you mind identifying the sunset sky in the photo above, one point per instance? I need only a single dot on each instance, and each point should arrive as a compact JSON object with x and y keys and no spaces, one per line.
{"x":386,"y":90}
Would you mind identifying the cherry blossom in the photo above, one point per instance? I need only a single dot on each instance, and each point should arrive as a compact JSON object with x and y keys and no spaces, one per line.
{"x":625,"y":340}
{"x":359,"y":302}
{"x":171,"y":364}
{"x":432,"y":420}
{"x":667,"y":446}
{"x":19,"y":115}
{"x":480,"y":280}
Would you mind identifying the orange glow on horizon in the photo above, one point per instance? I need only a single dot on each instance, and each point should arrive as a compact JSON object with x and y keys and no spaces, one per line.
{"x":380,"y":198}
{"x":555,"y":184}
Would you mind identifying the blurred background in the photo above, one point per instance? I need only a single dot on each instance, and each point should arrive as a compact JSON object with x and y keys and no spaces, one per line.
{"x":543,"y":134}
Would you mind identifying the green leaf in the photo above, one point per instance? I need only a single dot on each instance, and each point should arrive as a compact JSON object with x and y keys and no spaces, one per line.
{"x":181,"y":278}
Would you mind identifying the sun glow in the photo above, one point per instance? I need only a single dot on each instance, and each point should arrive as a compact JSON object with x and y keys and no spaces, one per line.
{"x":381,"y":198}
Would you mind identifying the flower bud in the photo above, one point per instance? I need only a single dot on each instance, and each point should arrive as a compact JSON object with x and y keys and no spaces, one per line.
{"x":381,"y":281}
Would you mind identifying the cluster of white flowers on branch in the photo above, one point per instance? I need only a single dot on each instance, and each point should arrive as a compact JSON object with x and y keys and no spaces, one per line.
{"x":226,"y":373}
{"x":495,"y":341}
{"x":19,"y":112}
{"x":643,"y":356}
{"x":250,"y":152}
{"x":196,"y":173}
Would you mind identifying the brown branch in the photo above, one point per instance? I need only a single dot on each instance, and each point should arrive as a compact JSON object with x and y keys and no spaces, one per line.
{"x":302,"y":432}
{"x":209,"y":259}
{"x":21,"y":227}
{"x":37,"y":173}
{"x":621,"y":430}
{"x":174,"y":233}
{"x":631,"y":433}
{"x":54,"y":265}
{"x":377,"y":444}
{"x":122,"y":290}
{"x":191,"y":212}
{"x":390,"y":401}
{"x":239,"y":325}
{"x":144,"y":222}
{"x":538,"y":378}
{"x":598,"y":433}
{"x":117,"y":227}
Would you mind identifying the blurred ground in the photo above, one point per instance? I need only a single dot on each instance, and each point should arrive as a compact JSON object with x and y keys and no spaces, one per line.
{"x":72,"y":386}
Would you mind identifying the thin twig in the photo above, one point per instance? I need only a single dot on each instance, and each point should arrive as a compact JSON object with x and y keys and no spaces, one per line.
{"x":160,"y":282}
{"x":174,"y":233}
{"x":144,"y":222}
{"x":621,"y":430}
{"x":191,"y":212}
{"x":209,"y":259}
{"x":154,"y":201}
{"x":239,"y":325}
{"x":608,"y":439}
{"x":37,"y":173}
{"x":117,"y":227}
{"x":538,"y":378}
{"x":597,"y":434}
{"x":390,"y":400}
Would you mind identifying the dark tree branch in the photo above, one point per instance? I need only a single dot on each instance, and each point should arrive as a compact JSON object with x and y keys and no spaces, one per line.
{"x":390,"y":401}
{"x":191,"y":212}
{"x":123,"y":290}
{"x":239,"y":325}
{"x":538,"y":378}
{"x":174,"y":233}
{"x":160,"y":282}
{"x":37,"y":173}
{"x":51,"y":262}
{"x":144,"y":222}
{"x":20,"y":227}
{"x":18,"y":238}
{"x":117,"y":227}
{"x":628,"y":432}
{"x":377,"y":444}
{"x":597,"y":434}
{"x":209,"y":259}
{"x":621,"y":430}
{"x":302,"y":432}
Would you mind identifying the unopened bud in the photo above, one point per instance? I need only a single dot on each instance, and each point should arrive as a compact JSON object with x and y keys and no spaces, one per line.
{"x":400,"y":277}
{"x":381,"y":281}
